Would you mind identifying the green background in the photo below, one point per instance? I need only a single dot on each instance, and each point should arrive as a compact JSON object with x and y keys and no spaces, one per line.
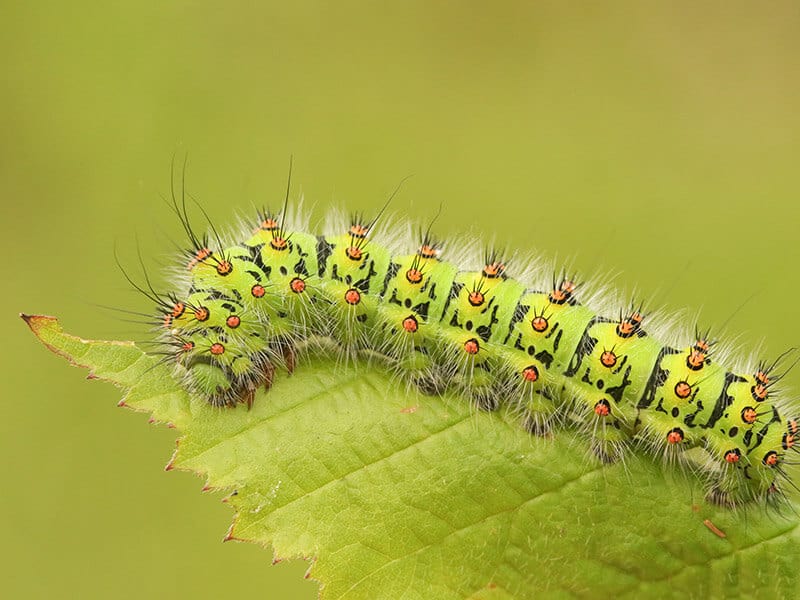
{"x":657,"y":143}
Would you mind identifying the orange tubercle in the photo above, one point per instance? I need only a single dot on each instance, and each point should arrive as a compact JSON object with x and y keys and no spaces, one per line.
{"x":352,"y":296}
{"x":530,"y":373}
{"x":410,"y":324}
{"x":675,"y":436}
{"x":471,"y":346}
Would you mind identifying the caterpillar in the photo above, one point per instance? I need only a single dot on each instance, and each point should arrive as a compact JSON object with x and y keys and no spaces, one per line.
{"x":537,"y":341}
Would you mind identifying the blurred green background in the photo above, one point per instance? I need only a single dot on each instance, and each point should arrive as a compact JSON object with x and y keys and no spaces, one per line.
{"x":657,"y":141}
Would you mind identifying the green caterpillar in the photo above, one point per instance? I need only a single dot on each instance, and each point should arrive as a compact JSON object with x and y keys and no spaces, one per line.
{"x":535,"y":347}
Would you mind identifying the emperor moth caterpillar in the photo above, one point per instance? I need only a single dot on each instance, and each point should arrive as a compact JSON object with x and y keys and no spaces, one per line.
{"x":539,"y":342}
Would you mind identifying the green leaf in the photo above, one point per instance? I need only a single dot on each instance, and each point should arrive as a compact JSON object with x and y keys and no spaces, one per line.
{"x":397,"y":495}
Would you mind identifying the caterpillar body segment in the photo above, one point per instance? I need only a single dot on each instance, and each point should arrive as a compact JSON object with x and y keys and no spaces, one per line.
{"x":479,"y":310}
{"x":416,"y":291}
{"x":495,"y":340}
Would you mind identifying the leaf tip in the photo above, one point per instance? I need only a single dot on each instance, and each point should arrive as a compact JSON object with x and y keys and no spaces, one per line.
{"x":230,"y":537}
{"x":39,"y":322}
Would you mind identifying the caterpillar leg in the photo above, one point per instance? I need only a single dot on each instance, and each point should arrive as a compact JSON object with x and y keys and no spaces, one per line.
{"x":530,"y":395}
{"x":403,"y":335}
{"x":610,"y":428}
{"x":539,"y":414}
{"x":486,"y":399}
{"x":429,"y":383}
{"x":480,"y":386}
{"x":607,"y":451}
{"x":220,"y":387}
{"x":418,"y":369}
{"x":268,"y":371}
{"x":289,"y":357}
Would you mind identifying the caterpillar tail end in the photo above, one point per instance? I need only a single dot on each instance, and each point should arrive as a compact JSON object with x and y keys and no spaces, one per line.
{"x":219,"y":388}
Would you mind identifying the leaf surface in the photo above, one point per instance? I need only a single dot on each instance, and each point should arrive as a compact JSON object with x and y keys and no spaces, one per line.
{"x":392,"y":494}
